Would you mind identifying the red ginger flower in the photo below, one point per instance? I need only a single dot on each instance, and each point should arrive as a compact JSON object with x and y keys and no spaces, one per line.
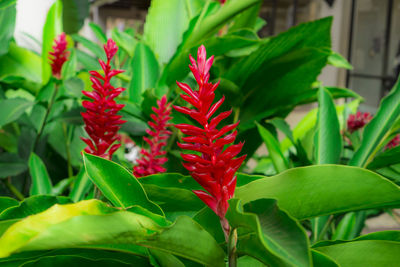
{"x":358,"y":121}
{"x":59,"y":55}
{"x":215,"y":169}
{"x":101,"y":119}
{"x":152,"y":160}
{"x":394,"y":142}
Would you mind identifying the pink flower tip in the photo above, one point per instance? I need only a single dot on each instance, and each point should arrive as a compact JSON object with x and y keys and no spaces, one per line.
{"x":110,"y":48}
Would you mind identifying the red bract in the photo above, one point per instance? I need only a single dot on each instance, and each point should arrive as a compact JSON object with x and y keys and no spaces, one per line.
{"x":152,"y":160}
{"x":215,"y":169}
{"x":101,"y":119}
{"x":59,"y":55}
{"x":222,"y":1}
{"x":393,"y":143}
{"x":358,"y":121}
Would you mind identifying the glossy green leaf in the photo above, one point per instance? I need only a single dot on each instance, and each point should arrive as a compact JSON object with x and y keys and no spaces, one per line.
{"x":100,"y":35}
{"x":70,"y":67}
{"x":52,"y":28}
{"x":144,"y":72}
{"x":328,"y":140}
{"x":274,"y":150}
{"x":11,"y":165}
{"x":246,"y":19}
{"x":321,"y":260}
{"x":7,"y":22}
{"x":90,"y":45}
{"x":92,"y":222}
{"x":87,"y":61}
{"x":269,"y":234}
{"x":61,"y":186}
{"x":308,"y":192}
{"x":386,"y":158}
{"x":74,"y":14}
{"x":337,"y":60}
{"x":7,"y":202}
{"x":117,"y":184}
{"x":364,"y":253}
{"x":7,"y":3}
{"x":41,"y":183}
{"x":81,"y":187}
{"x":165,"y":23}
{"x":12,"y":109}
{"x":378,"y":128}
{"x":124,"y":40}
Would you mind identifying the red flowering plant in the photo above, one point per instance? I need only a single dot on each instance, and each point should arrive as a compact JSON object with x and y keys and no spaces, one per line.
{"x":358,"y":121}
{"x":59,"y":55}
{"x":101,"y":120}
{"x":214,"y":169}
{"x":152,"y":159}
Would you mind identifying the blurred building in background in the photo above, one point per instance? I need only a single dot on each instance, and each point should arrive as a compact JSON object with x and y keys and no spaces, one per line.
{"x":366,"y":32}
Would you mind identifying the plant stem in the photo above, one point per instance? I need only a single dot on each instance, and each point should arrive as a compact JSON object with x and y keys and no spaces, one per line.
{"x":53,"y":97}
{"x":67,"y":144}
{"x":13,"y":189}
{"x":232,"y":256}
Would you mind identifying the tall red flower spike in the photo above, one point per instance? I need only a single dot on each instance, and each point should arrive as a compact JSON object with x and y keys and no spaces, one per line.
{"x":59,"y":55}
{"x":215,"y":169}
{"x":358,"y":121}
{"x":394,"y":142}
{"x":152,"y":160}
{"x":101,"y":119}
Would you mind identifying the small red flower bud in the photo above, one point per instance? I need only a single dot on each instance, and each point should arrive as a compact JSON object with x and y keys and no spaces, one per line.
{"x":59,"y":55}
{"x":393,"y":143}
{"x":358,"y":121}
{"x":101,"y":119}
{"x":215,"y":165}
{"x":152,"y":160}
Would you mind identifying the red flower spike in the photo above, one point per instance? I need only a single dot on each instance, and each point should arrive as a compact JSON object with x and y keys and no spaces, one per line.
{"x":152,"y":160}
{"x":393,"y":143}
{"x":59,"y":55}
{"x":358,"y":121}
{"x":101,"y":119}
{"x":215,"y":169}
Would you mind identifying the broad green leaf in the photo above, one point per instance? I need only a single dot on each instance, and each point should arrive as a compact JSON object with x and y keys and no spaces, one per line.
{"x":41,"y":183}
{"x":321,"y":260}
{"x":90,"y":45}
{"x":124,"y":40}
{"x":87,"y":61}
{"x":70,"y":67}
{"x":81,"y":187}
{"x":74,"y":13}
{"x":61,"y":186}
{"x":11,"y":165}
{"x":7,"y":202}
{"x":12,"y":109}
{"x":269,"y":234}
{"x":308,"y":192}
{"x":328,"y":141}
{"x":378,"y":128}
{"x":7,"y":22}
{"x":71,"y":260}
{"x":158,"y":258}
{"x":144,"y":72}
{"x":246,"y":19}
{"x":337,"y":60}
{"x":274,"y":150}
{"x":386,"y":158}
{"x":22,"y":68}
{"x":165,"y":23}
{"x":117,"y":184}
{"x":101,"y":36}
{"x":91,"y":222}
{"x":364,"y":253}
{"x":7,"y":3}
{"x":52,"y":28}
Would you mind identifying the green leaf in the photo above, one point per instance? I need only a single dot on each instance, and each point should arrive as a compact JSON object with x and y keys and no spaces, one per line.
{"x":378,"y":128}
{"x":52,"y":28}
{"x":364,"y":253}
{"x":101,"y":36}
{"x":61,"y":186}
{"x":274,"y":150}
{"x":69,"y":68}
{"x":7,"y":3}
{"x":117,"y":184}
{"x":11,"y":165}
{"x":12,"y":109}
{"x":246,"y":19}
{"x":124,"y":40}
{"x":325,"y":189}
{"x":144,"y":72}
{"x":72,"y":260}
{"x":337,"y":60}
{"x":386,"y":158}
{"x":41,"y":183}
{"x":87,"y":61}
{"x":328,"y":141}
{"x":91,"y":223}
{"x":90,"y":45}
{"x":7,"y":22}
{"x":165,"y":23}
{"x":321,"y":260}
{"x":7,"y":202}
{"x":269,"y":234}
{"x":74,"y":13}
{"x":81,"y":187}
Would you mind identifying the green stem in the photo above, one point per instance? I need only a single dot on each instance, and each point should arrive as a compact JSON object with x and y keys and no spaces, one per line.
{"x":236,"y":112}
{"x":13,"y":189}
{"x":67,"y":145}
{"x":52,"y":99}
{"x":232,"y":255}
